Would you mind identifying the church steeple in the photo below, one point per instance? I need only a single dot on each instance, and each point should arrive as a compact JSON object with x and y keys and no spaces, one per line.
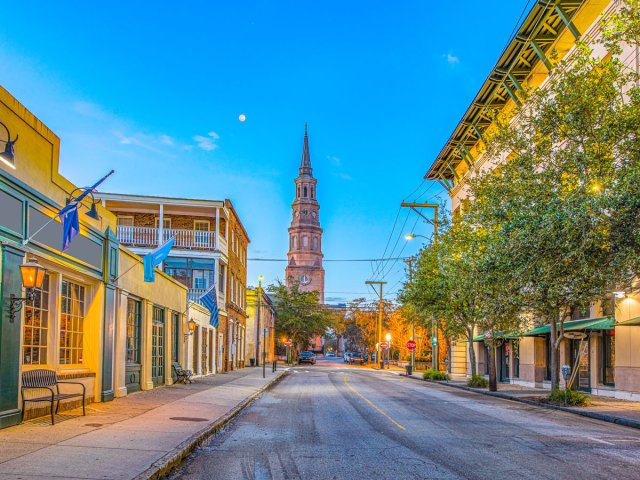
{"x":305,"y":163}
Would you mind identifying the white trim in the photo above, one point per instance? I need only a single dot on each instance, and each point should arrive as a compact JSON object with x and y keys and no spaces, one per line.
{"x":165,"y":200}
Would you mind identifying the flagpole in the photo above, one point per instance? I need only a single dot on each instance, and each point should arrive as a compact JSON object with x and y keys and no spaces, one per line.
{"x":90,"y":189}
{"x":128,"y":270}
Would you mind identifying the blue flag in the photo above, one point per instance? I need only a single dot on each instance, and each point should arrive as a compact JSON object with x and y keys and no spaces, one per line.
{"x":210,"y":300}
{"x":155,"y":258}
{"x":69,"y":214}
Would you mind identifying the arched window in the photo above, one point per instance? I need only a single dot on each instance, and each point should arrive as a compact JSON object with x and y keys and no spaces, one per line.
{"x":311,"y":187}
{"x":294,"y":241}
{"x":305,"y":192}
{"x":305,"y":241}
{"x":315,"y":243}
{"x":298,"y":191}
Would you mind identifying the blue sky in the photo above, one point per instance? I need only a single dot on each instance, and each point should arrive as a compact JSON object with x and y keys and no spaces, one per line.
{"x":154,"y":90}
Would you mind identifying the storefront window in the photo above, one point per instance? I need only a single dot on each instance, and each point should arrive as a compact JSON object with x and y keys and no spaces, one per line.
{"x":36,"y":326}
{"x":134,"y":309}
{"x":547,"y":369}
{"x":71,"y":323}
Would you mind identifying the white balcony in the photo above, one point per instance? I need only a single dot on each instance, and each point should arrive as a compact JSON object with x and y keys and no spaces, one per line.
{"x":148,"y":237}
{"x":194,"y":295}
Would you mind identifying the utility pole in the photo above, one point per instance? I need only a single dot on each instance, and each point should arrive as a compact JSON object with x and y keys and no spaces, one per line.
{"x":413,"y":316}
{"x":379,"y":318}
{"x":434,"y":330}
{"x":258,"y":315}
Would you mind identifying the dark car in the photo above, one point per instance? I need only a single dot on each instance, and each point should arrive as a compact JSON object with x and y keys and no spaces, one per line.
{"x":307,"y":357}
{"x":356,"y":358}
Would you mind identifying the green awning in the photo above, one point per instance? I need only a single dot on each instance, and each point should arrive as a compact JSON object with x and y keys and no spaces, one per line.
{"x":632,"y":322}
{"x":503,"y":336}
{"x":604,"y":323}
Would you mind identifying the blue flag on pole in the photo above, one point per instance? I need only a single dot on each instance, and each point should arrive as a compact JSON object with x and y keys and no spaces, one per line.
{"x":155,"y":258}
{"x":210,"y":300}
{"x":69,"y":214}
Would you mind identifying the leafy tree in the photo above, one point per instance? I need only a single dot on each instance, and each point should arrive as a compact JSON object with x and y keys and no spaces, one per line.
{"x":563,"y":199}
{"x":299,"y":315}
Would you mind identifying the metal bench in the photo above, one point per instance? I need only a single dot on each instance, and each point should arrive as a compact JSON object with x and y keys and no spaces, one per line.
{"x":42,"y":379}
{"x":182,"y":376}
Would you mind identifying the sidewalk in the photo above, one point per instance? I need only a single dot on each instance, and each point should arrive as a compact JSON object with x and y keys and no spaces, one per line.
{"x":137,"y":436}
{"x":607,"y":409}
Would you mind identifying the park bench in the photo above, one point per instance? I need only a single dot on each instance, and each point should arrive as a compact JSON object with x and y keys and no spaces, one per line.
{"x":182,"y":376}
{"x":41,"y":380}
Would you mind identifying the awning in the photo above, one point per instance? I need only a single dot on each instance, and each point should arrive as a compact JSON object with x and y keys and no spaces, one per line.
{"x":632,"y":322}
{"x":604,"y":323}
{"x":502,"y":336}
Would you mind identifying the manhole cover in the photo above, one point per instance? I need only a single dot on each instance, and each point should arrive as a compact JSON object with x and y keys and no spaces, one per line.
{"x":189,"y":419}
{"x":92,"y":424}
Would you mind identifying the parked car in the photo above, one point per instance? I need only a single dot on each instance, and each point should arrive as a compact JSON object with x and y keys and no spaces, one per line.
{"x":356,"y":358}
{"x":331,"y":354}
{"x":307,"y":357}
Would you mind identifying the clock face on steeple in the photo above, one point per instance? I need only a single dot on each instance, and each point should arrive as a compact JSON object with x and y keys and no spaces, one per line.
{"x":305,"y":280}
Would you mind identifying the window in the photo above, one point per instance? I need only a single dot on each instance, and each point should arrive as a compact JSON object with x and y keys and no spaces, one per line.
{"x":221,"y":278}
{"x":134,"y":321}
{"x":580,"y":313}
{"x":71,"y":323}
{"x":175,"y":337}
{"x":315,"y":243}
{"x":201,"y":279}
{"x":305,"y":241}
{"x":547,"y":348}
{"x":298,"y":191}
{"x":294,"y":241}
{"x":233,"y":289}
{"x":201,"y":225}
{"x":36,"y":326}
{"x":166,"y":222}
{"x":311,"y":187}
{"x":305,"y":192}
{"x":125,"y":221}
{"x":193,"y":272}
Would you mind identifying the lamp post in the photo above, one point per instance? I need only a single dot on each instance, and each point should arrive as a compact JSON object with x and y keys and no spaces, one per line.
{"x":264,"y":330}
{"x":32,"y":277}
{"x":8,"y":157}
{"x":191,"y":327}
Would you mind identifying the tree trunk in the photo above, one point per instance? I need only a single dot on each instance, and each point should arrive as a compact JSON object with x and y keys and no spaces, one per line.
{"x":493,"y":378}
{"x":472,"y":352}
{"x":555,"y":353}
{"x":449,"y":356}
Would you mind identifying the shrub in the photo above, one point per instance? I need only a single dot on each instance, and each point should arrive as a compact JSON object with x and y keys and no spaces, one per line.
{"x":574,"y":398}
{"x":478,"y":381}
{"x":432,"y":374}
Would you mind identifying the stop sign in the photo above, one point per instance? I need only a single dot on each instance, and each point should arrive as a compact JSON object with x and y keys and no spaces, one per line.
{"x":384,"y":345}
{"x":287,"y":343}
{"x":411,"y":345}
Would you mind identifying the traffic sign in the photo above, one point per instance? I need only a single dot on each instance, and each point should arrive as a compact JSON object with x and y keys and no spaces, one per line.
{"x":411,"y":345}
{"x":287,"y":343}
{"x":434,"y":341}
{"x":384,"y":345}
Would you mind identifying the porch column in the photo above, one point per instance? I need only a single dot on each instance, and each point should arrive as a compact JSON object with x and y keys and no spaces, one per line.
{"x":217,"y":227}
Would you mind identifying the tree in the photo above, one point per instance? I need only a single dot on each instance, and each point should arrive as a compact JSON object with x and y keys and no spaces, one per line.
{"x":564,"y":196}
{"x":300,"y":316}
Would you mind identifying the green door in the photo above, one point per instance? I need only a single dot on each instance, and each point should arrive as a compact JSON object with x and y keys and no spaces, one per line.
{"x":157,"y":349}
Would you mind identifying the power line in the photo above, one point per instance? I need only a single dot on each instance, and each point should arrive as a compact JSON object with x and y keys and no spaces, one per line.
{"x":331,"y":260}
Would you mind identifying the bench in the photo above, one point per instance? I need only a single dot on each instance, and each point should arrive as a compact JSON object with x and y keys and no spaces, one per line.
{"x":182,"y":376}
{"x":41,"y":380}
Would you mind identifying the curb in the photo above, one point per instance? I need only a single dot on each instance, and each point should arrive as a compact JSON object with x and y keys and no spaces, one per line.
{"x":184,"y":449}
{"x":627,"y":422}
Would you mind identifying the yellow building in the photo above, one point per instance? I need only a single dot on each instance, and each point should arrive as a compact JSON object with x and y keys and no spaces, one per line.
{"x":261,"y":318}
{"x":610,"y":364}
{"x":79,"y":322}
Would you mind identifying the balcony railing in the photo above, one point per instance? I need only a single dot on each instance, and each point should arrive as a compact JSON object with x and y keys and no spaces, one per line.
{"x":194,"y":295}
{"x":148,"y":237}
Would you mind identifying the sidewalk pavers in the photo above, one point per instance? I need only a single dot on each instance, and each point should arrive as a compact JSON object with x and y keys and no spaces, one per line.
{"x":607,"y":409}
{"x":138,"y":436}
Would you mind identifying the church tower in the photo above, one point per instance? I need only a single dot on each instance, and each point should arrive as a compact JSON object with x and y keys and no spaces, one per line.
{"x":305,"y":234}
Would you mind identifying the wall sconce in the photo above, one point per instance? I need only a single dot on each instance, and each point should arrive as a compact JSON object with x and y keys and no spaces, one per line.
{"x":93,"y":211}
{"x":32,"y":277}
{"x":191,"y":324}
{"x":8,"y":157}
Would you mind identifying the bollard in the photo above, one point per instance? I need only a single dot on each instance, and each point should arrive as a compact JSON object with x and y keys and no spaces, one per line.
{"x":275,"y":366}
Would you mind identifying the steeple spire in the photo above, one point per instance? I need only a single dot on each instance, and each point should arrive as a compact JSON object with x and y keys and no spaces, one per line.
{"x":305,"y":163}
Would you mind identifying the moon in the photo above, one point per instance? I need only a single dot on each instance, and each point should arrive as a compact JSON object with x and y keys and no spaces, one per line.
{"x":242,"y":117}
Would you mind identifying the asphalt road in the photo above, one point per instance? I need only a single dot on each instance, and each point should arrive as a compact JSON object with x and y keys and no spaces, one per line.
{"x":332,"y":421}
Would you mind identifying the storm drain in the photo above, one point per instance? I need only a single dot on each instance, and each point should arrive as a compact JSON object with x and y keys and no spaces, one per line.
{"x":189,"y":419}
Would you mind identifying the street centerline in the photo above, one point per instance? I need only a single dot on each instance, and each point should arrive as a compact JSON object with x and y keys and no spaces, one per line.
{"x":372,"y":404}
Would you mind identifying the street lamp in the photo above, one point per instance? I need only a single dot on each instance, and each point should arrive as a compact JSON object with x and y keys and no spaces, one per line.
{"x":32,"y":277}
{"x":388,"y":339}
{"x":8,"y":157}
{"x":411,"y":236}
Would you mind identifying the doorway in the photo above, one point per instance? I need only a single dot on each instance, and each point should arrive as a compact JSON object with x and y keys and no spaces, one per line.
{"x":220,"y":351}
{"x":503,"y":353}
{"x":203,"y":353}
{"x":158,"y":347}
{"x":580,"y":348}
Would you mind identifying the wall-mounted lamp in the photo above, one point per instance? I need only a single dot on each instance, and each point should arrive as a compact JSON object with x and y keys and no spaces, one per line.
{"x":93,"y":211}
{"x":32,"y":277}
{"x":620,"y":294}
{"x":8,"y":157}
{"x":191,"y":325}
